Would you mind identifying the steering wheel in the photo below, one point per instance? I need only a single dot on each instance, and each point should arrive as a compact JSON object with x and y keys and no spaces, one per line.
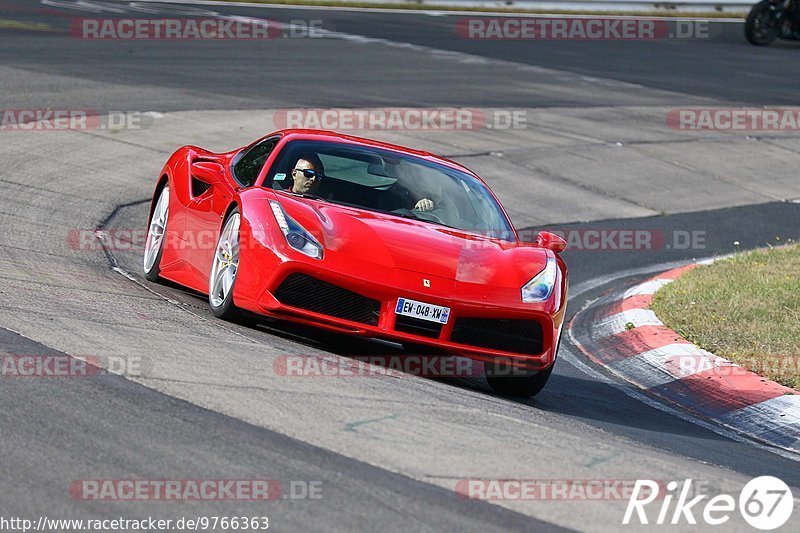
{"x":421,"y":215}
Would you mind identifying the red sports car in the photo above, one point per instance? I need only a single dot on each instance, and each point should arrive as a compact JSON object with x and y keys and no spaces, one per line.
{"x":364,"y":238}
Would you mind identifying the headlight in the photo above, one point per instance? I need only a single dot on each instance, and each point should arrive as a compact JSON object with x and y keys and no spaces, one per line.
{"x":296,"y":235}
{"x":541,"y":286}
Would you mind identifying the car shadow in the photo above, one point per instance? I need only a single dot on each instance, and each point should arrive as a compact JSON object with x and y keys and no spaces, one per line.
{"x":568,"y":393}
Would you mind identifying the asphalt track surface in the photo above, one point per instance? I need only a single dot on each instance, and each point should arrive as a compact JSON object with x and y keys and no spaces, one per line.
{"x":294,"y":72}
{"x":388,"y":452}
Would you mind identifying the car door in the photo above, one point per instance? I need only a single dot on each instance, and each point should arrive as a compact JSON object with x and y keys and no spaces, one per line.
{"x":210,"y":192}
{"x":210,"y":197}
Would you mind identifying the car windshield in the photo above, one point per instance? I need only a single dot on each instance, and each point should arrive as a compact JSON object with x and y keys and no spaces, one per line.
{"x":389,"y":182}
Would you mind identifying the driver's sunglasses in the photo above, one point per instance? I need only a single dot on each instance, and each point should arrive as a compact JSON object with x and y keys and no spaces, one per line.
{"x":309,"y":173}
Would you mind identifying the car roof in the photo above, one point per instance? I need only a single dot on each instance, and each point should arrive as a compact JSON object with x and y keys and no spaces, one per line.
{"x":332,"y":136}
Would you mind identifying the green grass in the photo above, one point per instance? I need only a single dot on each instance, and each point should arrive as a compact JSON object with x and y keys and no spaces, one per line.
{"x":8,"y":24}
{"x":510,"y":10}
{"x":746,"y":309}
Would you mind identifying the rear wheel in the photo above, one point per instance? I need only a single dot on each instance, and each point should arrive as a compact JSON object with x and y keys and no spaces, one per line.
{"x":156,"y":235}
{"x":759,"y":28}
{"x":224,"y":269}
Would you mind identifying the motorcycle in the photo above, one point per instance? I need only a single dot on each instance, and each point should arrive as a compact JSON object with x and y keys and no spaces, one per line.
{"x":772,"y":19}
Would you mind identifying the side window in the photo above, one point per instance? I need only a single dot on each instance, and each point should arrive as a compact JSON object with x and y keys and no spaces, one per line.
{"x":248,"y":166}
{"x":278,"y":177}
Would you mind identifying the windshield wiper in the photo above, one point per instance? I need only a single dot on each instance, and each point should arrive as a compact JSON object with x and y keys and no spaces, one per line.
{"x":310,"y":196}
{"x":412,"y":216}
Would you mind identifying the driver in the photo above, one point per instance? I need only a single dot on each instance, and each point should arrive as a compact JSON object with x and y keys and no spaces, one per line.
{"x":307,"y":173}
{"x":426,"y":204}
{"x":425,"y":201}
{"x":430,"y":194}
{"x":437,"y":199}
{"x":414,"y":189}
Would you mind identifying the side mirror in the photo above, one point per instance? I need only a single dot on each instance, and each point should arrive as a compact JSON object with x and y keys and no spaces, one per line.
{"x":208,"y":172}
{"x":551,"y":241}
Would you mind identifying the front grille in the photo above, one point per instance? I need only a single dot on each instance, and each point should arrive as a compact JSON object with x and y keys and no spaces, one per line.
{"x":425,"y":328}
{"x":518,"y":336}
{"x":306,"y":292}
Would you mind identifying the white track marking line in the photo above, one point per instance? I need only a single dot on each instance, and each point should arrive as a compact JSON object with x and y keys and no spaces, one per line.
{"x":779,"y":415}
{"x":668,"y":363}
{"x":646,"y":288}
{"x":619,"y":322}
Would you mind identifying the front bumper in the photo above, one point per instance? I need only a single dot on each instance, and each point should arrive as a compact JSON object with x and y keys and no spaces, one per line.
{"x":386,"y":324}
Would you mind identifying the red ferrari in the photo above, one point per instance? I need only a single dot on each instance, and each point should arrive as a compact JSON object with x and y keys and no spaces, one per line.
{"x":364,"y":238}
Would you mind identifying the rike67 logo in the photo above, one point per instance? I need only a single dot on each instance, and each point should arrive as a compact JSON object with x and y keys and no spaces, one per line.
{"x":765,"y":503}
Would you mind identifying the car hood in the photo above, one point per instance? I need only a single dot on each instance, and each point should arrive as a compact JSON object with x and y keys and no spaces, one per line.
{"x":392,"y":242}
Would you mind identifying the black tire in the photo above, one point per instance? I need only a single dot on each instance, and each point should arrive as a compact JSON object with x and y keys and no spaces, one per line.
{"x":154,"y":272}
{"x":412,"y":348}
{"x":226,"y":310}
{"x":759,"y":28}
{"x":530,"y":384}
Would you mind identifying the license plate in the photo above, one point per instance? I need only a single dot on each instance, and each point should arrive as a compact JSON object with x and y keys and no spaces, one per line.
{"x":423,"y":311}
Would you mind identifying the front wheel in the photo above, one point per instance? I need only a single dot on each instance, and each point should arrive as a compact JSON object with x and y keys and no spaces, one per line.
{"x":759,"y":28}
{"x":156,"y":235}
{"x":505,"y":380}
{"x":224,"y":268}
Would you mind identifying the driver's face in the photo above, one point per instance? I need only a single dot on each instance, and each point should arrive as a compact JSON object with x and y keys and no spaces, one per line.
{"x":302,"y":184}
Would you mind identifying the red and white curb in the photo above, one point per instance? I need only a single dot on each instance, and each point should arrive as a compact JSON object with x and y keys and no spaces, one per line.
{"x":621,"y":333}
